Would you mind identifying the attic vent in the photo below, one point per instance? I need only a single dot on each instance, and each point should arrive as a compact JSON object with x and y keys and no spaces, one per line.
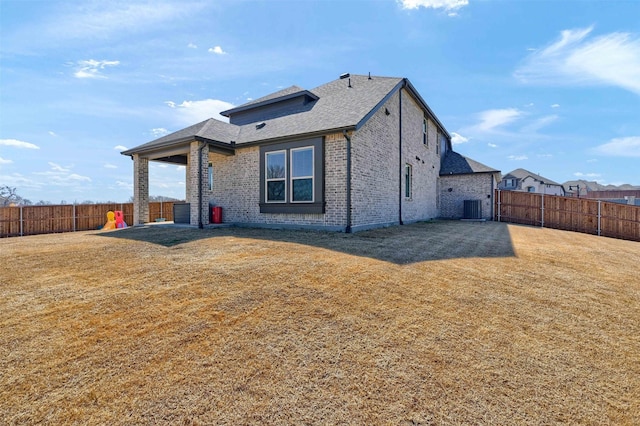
{"x":345,"y":75}
{"x":260,"y":125}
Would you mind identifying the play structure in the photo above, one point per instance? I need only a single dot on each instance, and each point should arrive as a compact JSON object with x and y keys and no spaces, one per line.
{"x":115,"y":220}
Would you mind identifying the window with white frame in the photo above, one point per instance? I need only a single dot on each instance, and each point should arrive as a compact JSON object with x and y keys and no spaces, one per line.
{"x":408,"y":178}
{"x":302,"y":174}
{"x":531,"y":189}
{"x":276,"y":176}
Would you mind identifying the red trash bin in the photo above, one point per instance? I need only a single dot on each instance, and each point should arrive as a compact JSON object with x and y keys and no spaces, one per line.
{"x":217,"y":214}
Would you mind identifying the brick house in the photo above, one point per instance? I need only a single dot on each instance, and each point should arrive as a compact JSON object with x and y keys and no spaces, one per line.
{"x":356,"y":153}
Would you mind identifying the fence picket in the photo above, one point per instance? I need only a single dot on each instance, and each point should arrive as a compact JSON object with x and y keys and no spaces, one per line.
{"x":32,"y":220}
{"x":588,"y":216}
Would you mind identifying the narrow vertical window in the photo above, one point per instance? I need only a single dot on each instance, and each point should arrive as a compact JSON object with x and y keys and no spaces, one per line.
{"x":425,"y":131}
{"x":302,"y":175}
{"x":210,"y":173}
{"x":407,"y":180}
{"x":276,"y":173}
{"x":442,"y":144}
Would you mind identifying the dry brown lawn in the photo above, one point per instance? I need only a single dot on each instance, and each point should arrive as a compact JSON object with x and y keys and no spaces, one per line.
{"x":431,"y":323}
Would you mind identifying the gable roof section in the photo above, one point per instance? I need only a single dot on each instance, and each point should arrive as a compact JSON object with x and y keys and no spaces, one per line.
{"x":342,"y":104}
{"x":523,"y":173}
{"x":456,"y":164}
{"x":282,"y":95}
{"x":339,"y":107}
{"x":211,"y":130}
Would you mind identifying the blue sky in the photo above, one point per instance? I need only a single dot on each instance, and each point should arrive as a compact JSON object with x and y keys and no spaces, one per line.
{"x":549,"y":86}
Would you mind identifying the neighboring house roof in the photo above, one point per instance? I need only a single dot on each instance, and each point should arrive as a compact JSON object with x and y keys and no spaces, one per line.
{"x":342,"y":104}
{"x":522,"y":174}
{"x":456,"y":164}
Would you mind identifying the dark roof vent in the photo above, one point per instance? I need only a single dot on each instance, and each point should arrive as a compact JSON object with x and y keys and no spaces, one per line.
{"x":345,"y":75}
{"x":260,"y":125}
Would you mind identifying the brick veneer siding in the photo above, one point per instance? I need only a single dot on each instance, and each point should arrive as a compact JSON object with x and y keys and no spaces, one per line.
{"x":140,"y":190}
{"x":455,"y":189}
{"x":236,"y":188}
{"x":424,"y":160}
{"x":378,"y":166}
{"x":193,"y":186}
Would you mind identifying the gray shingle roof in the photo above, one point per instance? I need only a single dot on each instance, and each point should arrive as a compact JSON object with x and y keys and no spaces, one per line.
{"x":280,"y":93}
{"x":338,"y":107}
{"x":457,"y":164}
{"x":523,"y":173}
{"x":211,"y":129}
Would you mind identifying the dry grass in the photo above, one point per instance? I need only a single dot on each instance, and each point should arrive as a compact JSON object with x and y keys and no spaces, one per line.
{"x":431,"y":323}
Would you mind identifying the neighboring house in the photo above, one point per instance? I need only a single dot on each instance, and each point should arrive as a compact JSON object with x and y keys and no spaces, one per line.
{"x":355,"y":153}
{"x":525,"y":181}
{"x":620,"y":196}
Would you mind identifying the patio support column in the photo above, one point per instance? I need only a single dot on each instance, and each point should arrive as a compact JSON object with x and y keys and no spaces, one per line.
{"x":140,"y":190}
{"x":197,"y":180}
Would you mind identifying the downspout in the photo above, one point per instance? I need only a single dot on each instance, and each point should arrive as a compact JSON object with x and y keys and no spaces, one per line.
{"x":200,"y":225}
{"x":493,"y":194}
{"x":400,"y":152}
{"x":347,"y":229}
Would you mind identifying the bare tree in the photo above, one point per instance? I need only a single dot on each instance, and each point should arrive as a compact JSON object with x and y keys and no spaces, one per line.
{"x":8,"y":196}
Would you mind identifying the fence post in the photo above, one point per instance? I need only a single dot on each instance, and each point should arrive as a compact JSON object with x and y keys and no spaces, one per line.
{"x":599,"y":216}
{"x":498,"y":204}
{"x":542,"y":208}
{"x":74,"y":217}
{"x":21,"y":223}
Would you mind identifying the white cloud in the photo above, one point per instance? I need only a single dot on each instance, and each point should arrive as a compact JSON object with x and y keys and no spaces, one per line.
{"x":518,"y":157}
{"x":610,"y":59}
{"x":492,"y":145}
{"x":217,"y":50}
{"x":58,"y":167}
{"x":494,"y":118}
{"x":120,"y":148}
{"x":52,"y":133}
{"x":5,"y":161}
{"x":620,"y":147}
{"x":587,"y":175}
{"x":105,"y":21}
{"x":592,"y":160}
{"x":451,"y":5}
{"x":124,"y":185}
{"x":110,"y":166}
{"x":544,"y":155}
{"x":92,"y":68}
{"x":458,"y":139}
{"x":530,"y":104}
{"x":62,"y":176}
{"x":539,"y":124}
{"x":192,"y":46}
{"x":159,"y":132}
{"x":18,"y":144}
{"x":555,"y":106}
{"x":192,"y":112}
{"x":77,"y":177}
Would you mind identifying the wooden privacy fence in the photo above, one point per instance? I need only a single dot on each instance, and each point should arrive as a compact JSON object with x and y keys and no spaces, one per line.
{"x":32,"y":220}
{"x":572,"y":214}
